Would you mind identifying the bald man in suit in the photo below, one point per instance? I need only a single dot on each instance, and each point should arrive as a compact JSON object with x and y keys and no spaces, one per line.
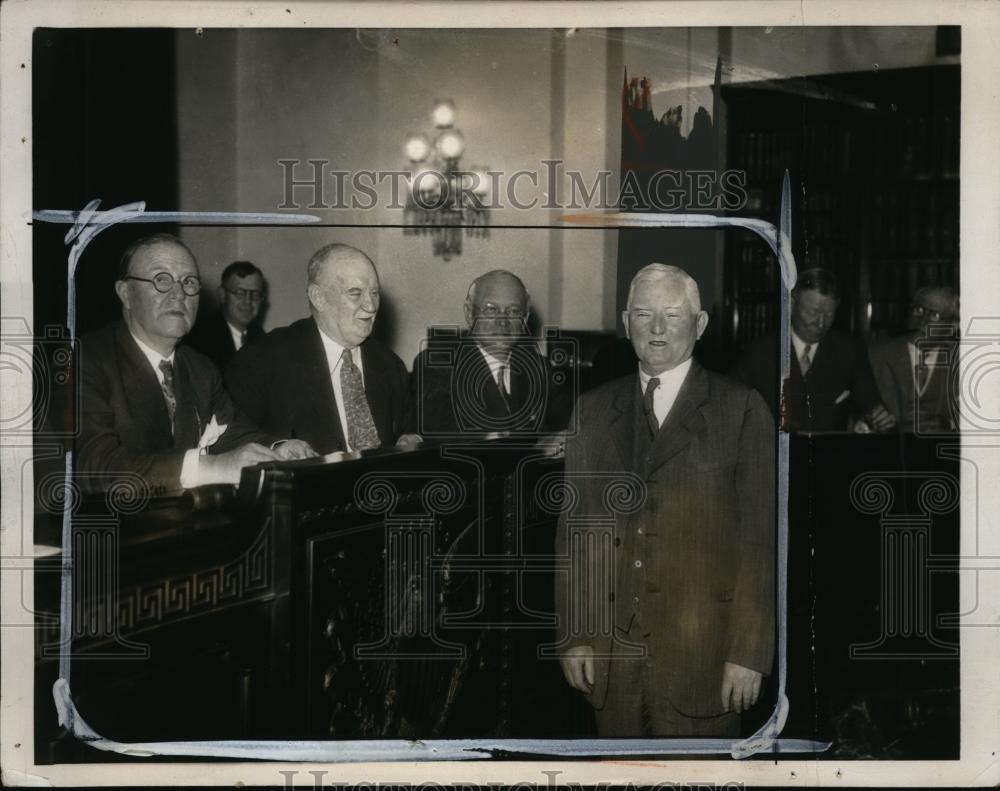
{"x":323,"y":379}
{"x":668,"y":611}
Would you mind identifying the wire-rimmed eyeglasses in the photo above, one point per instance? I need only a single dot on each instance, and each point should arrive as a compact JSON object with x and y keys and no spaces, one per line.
{"x":164,"y":282}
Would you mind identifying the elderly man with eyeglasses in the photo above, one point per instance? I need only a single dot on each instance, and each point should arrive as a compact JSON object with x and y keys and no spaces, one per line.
{"x":225,"y":331}
{"x":914,"y":370}
{"x":155,"y":414}
{"x":489,"y":379}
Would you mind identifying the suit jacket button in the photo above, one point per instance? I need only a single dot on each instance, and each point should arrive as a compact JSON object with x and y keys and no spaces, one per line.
{"x":649,"y":460}
{"x":638,"y":564}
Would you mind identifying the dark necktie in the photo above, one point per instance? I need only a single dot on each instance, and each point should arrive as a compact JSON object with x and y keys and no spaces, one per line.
{"x":647,"y":406}
{"x":361,"y":432}
{"x":243,"y":340}
{"x":169,"y":393}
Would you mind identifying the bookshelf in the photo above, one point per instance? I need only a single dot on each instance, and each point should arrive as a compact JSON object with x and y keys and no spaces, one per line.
{"x":874,"y":161}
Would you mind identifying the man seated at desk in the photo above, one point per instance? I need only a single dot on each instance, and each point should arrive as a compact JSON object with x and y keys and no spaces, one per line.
{"x":323,"y":379}
{"x":914,"y":371}
{"x":830,"y":382}
{"x":491,"y":379}
{"x":151,"y":407}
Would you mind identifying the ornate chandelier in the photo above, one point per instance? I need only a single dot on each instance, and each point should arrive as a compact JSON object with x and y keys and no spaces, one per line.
{"x":444,"y":199}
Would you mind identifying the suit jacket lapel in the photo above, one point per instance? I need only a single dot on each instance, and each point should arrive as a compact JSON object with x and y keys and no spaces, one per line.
{"x":377,"y":393}
{"x":142,"y":390}
{"x":317,"y":386}
{"x":684,"y":419}
{"x":188,"y":420}
{"x":621,"y":420}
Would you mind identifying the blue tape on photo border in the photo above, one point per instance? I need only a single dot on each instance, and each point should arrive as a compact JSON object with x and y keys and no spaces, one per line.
{"x":88,"y":223}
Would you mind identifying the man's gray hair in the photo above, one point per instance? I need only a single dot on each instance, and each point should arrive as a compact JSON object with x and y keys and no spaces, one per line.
{"x":335,"y":250}
{"x":661,"y":271}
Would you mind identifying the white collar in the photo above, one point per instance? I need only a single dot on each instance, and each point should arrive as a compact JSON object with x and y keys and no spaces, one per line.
{"x":494,"y":363}
{"x":799,"y":345}
{"x":335,"y":352}
{"x":154,"y":357}
{"x":669,"y":379}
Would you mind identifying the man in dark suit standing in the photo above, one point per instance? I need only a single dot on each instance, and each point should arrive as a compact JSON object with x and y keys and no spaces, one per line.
{"x":322,"y":379}
{"x":668,"y":610}
{"x":913,"y":371}
{"x":227,"y":330}
{"x":151,"y":407}
{"x":491,"y":379}
{"x":830,"y":385}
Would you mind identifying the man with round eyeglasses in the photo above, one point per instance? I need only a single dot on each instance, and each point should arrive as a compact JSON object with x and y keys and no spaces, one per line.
{"x":914,"y":370}
{"x":155,"y":413}
{"x":491,"y":378}
{"x":222,"y":333}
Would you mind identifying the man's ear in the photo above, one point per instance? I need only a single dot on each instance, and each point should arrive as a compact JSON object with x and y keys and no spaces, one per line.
{"x":121,"y":289}
{"x":625,"y":322}
{"x":221,"y":295}
{"x":702,"y":321}
{"x":316,"y":296}
{"x":469,"y":312}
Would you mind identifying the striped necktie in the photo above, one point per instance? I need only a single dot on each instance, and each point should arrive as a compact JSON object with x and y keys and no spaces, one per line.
{"x":169,"y":393}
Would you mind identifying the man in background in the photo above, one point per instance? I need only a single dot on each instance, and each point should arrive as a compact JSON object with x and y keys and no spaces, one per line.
{"x":225,"y":331}
{"x":830,"y":385}
{"x":913,"y":371}
{"x":490,"y":379}
{"x":685,"y":578}
{"x":153,"y":408}
{"x":323,"y":379}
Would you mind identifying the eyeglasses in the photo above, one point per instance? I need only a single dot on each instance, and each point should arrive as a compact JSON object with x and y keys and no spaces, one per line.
{"x":164,"y":283}
{"x":246,"y":293}
{"x":933,"y":315}
{"x":491,"y":311}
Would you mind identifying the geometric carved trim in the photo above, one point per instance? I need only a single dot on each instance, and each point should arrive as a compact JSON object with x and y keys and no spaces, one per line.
{"x":177,"y":598}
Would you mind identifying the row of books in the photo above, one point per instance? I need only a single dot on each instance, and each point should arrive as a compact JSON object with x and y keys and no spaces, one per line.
{"x":914,"y":147}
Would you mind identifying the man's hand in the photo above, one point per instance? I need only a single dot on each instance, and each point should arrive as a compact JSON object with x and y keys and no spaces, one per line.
{"x":225,"y":467}
{"x":553,"y":445}
{"x":740,"y":687}
{"x":409,"y":440}
{"x":881,"y":419}
{"x":294,"y":449}
{"x":578,"y":667}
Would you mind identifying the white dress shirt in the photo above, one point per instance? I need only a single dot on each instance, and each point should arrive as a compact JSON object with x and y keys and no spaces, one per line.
{"x":666,"y":392}
{"x":190,"y":467}
{"x":799,"y":346}
{"x":496,"y":367}
{"x":237,"y":336}
{"x":932,"y":359}
{"x":334,"y":360}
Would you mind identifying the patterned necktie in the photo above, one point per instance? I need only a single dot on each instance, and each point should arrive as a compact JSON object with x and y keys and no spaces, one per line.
{"x":169,"y":394}
{"x":361,"y":432}
{"x":647,"y":406}
{"x":806,"y":359}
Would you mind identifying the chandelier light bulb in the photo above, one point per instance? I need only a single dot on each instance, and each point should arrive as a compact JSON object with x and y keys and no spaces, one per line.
{"x":450,"y":144}
{"x":417,"y":148}
{"x":443,"y":113}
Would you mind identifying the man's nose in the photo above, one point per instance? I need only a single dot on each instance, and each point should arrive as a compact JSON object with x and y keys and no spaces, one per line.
{"x":659,"y":325}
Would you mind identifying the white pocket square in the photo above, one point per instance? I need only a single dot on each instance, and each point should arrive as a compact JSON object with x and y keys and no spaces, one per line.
{"x":843,"y":397}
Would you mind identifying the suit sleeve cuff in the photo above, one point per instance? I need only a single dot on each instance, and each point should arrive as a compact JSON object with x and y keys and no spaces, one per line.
{"x":190,"y":469}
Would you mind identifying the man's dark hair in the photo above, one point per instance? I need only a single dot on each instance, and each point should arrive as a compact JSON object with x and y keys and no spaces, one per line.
{"x":240,"y":269}
{"x":816,"y":279}
{"x":142,"y":243}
